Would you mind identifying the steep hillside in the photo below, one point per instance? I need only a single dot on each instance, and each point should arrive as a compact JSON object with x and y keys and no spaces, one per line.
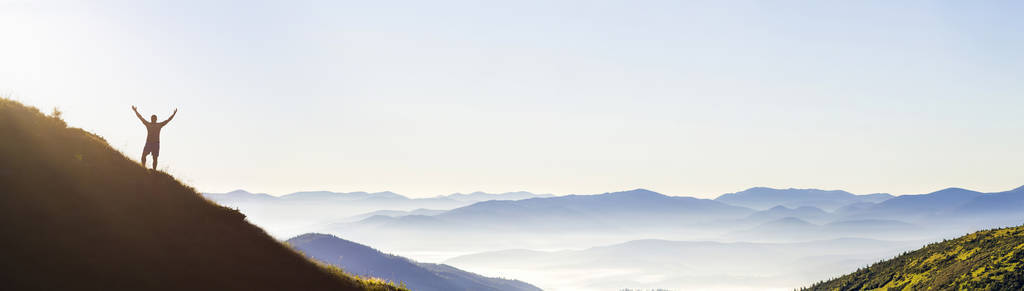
{"x":984,"y":260}
{"x":360,"y":259}
{"x":78,"y":215}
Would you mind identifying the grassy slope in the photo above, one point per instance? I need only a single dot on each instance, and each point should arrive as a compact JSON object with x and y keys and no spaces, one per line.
{"x":984,"y":260}
{"x":75,"y":214}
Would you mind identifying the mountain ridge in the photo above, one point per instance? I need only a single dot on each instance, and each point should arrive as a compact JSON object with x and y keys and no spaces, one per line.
{"x":79,"y":215}
{"x":761,"y":198}
{"x":361,"y":259}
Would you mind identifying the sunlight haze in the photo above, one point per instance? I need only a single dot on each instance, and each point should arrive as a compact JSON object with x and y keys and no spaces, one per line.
{"x":423,"y":98}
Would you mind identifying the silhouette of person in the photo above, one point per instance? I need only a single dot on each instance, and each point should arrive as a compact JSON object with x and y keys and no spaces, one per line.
{"x":153,"y":136}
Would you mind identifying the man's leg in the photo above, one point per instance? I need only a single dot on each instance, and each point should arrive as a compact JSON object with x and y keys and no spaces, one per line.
{"x":144,"y":158}
{"x":155,"y":157}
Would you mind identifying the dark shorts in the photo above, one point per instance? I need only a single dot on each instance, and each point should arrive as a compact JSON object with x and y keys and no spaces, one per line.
{"x":151,"y":147}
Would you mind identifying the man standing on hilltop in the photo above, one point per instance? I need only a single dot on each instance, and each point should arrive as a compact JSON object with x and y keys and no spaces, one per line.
{"x":153,"y":137}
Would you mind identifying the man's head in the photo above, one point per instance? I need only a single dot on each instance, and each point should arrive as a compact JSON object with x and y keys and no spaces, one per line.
{"x":153,"y":118}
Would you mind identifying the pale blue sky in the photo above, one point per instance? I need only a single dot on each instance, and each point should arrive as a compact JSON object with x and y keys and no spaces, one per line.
{"x":434,"y":97}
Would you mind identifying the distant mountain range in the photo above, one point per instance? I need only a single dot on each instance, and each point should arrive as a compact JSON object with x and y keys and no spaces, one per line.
{"x":761,"y":219}
{"x":625,"y":210}
{"x":395,"y":213}
{"x":760,"y":204}
{"x":323,"y":196}
{"x":951,"y":205}
{"x":481,"y":196}
{"x":761,"y":198}
{"x":808,"y":213}
{"x":642,"y":213}
{"x":302,"y":212}
{"x":365,"y":261}
{"x":985,"y":260}
{"x":943,"y":206}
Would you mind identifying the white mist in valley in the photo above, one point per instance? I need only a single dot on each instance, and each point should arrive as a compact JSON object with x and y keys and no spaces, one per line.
{"x":757,"y":239}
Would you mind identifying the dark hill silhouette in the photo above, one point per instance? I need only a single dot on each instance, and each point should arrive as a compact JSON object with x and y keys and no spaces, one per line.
{"x":78,"y":215}
{"x":363,"y":260}
{"x":984,"y":260}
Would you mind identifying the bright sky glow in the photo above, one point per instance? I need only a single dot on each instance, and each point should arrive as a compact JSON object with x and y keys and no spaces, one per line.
{"x":433,"y":97}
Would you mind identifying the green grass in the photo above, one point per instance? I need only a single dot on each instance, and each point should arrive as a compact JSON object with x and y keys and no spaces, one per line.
{"x":984,"y":260}
{"x":75,"y":214}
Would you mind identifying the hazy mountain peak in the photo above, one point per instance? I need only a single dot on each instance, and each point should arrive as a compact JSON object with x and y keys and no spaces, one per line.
{"x":760,"y":189}
{"x":637,"y":192}
{"x":239,"y":191}
{"x":387,"y":194}
{"x":764,"y":198}
{"x":954,"y":191}
{"x":479,"y":196}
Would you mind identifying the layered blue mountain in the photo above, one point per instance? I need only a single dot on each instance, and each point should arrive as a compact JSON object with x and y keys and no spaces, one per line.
{"x":482,"y":196}
{"x":954,"y":209}
{"x":239,"y":196}
{"x":916,"y":207}
{"x":327,"y":195}
{"x":302,"y":212}
{"x":808,"y":213}
{"x":395,"y":213}
{"x":365,"y":261}
{"x":383,"y":199}
{"x":1009,"y":202}
{"x":762,"y":198}
{"x":638,"y":208}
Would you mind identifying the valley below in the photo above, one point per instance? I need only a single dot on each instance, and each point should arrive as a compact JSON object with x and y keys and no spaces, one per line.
{"x":757,"y":239}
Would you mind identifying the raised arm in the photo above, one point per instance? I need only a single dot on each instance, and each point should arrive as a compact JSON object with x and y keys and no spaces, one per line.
{"x":169,"y":118}
{"x":139,"y":115}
